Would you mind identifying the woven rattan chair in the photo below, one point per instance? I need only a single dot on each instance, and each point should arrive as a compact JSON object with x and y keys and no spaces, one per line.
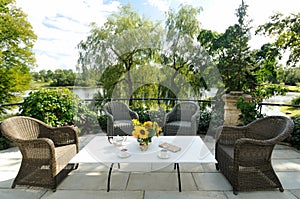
{"x":119,"y":118}
{"x":46,"y":151}
{"x":183,"y":119}
{"x":244,"y":153}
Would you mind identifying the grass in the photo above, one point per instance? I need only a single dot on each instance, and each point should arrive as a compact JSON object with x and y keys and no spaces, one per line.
{"x":292,"y":111}
{"x":36,"y":85}
{"x":293,"y":88}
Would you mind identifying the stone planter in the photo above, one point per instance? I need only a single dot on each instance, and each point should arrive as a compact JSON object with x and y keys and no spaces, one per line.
{"x":231,"y":112}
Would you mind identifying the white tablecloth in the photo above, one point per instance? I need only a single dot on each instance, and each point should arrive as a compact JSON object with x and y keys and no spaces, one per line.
{"x":99,"y":150}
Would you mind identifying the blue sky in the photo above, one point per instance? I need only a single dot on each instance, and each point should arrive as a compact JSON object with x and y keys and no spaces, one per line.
{"x":61,"y":24}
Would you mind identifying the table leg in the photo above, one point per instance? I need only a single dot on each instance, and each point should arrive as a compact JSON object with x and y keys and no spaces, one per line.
{"x":178,"y":174}
{"x":109,"y":175}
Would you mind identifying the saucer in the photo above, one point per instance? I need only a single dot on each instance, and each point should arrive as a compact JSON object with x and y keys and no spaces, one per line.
{"x":163,"y":157}
{"x":124,"y":155}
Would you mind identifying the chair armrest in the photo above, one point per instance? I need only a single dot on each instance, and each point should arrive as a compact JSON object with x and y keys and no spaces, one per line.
{"x":229,"y":134}
{"x":40,"y":148}
{"x":109,"y":116}
{"x":170,"y":116}
{"x":253,"y":152}
{"x":133,"y":114}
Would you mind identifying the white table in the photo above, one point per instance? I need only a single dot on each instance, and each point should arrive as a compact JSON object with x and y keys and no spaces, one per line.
{"x":99,"y":150}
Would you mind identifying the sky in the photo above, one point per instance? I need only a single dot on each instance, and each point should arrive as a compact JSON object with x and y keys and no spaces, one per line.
{"x":61,"y":24}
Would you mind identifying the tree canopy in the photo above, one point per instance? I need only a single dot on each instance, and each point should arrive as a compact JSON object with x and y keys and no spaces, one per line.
{"x":16,"y":55}
{"x":286,"y":30}
{"x":243,"y":69}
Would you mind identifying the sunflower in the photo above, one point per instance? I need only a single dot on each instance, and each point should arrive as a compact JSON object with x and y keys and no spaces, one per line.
{"x":147,"y":124}
{"x":140,"y":132}
{"x":136,"y":122}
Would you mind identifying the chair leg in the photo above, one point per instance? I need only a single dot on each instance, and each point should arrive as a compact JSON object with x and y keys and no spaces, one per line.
{"x":281,"y":189}
{"x":217,"y":167}
{"x":235,"y":192}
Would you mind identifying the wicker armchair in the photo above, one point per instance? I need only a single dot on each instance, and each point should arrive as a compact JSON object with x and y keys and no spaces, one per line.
{"x":119,"y":118}
{"x":183,"y":119}
{"x":46,"y":151}
{"x":244,"y":153}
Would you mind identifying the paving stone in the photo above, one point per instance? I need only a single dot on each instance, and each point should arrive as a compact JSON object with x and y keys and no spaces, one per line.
{"x":184,"y":194}
{"x":94,"y":181}
{"x":289,"y":180}
{"x":276,"y":194}
{"x":296,"y":192}
{"x":12,"y":164}
{"x":283,"y":165}
{"x":211,"y":182}
{"x":20,"y":193}
{"x":160,"y":181}
{"x":286,"y":154}
{"x":91,"y":194}
{"x":6,"y":179}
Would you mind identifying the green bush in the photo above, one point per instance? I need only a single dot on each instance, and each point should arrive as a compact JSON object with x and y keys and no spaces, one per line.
{"x":52,"y":106}
{"x":296,"y":100}
{"x":294,"y":140}
{"x":59,"y":107}
{"x":205,"y":117}
{"x":249,"y":111}
{"x":102,"y":120}
{"x":4,"y":142}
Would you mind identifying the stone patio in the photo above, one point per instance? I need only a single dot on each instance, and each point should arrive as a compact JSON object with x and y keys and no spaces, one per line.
{"x":198,"y":181}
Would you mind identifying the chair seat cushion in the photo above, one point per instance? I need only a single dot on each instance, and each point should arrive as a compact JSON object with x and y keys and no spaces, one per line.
{"x":180,"y":123}
{"x":228,"y":149}
{"x":120,"y":123}
{"x":63,"y":155}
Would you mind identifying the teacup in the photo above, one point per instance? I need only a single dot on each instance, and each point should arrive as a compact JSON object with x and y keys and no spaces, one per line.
{"x":163,"y":153}
{"x":123,"y":152}
{"x":119,"y":140}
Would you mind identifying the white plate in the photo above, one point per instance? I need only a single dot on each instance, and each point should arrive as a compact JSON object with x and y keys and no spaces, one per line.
{"x":124,"y":155}
{"x":163,"y":157}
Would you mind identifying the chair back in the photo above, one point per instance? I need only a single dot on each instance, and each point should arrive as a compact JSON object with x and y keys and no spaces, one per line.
{"x":118,"y":110}
{"x":185,"y":110}
{"x":20,"y":128}
{"x":271,"y":127}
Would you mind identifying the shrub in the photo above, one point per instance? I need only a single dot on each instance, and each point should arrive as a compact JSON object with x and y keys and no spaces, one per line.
{"x":248,"y":110}
{"x":52,"y":106}
{"x":4,"y":142}
{"x":294,"y":140}
{"x":296,"y":101}
{"x":102,"y":120}
{"x":205,"y":117}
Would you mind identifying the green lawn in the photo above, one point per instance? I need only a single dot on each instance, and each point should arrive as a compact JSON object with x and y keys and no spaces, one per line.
{"x":292,"y":110}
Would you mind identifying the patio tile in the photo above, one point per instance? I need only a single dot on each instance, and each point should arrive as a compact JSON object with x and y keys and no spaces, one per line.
{"x":6,"y":179}
{"x":284,"y":165}
{"x":88,"y":194}
{"x":211,"y":181}
{"x":286,"y":154}
{"x":21,"y":193}
{"x":84,"y":167}
{"x":184,"y":194}
{"x":261,"y":194}
{"x":12,"y":164}
{"x":94,"y":181}
{"x":289,"y":180}
{"x":9,"y":153}
{"x":160,"y":181}
{"x":296,"y":192}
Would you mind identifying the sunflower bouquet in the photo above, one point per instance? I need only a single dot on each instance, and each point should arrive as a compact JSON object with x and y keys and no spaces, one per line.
{"x":145,"y":131}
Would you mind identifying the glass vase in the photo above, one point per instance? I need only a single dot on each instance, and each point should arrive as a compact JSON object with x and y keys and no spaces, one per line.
{"x":144,"y":146}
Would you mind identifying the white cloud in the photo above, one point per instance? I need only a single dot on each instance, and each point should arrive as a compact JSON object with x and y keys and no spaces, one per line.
{"x":161,"y":5}
{"x":60,"y":25}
